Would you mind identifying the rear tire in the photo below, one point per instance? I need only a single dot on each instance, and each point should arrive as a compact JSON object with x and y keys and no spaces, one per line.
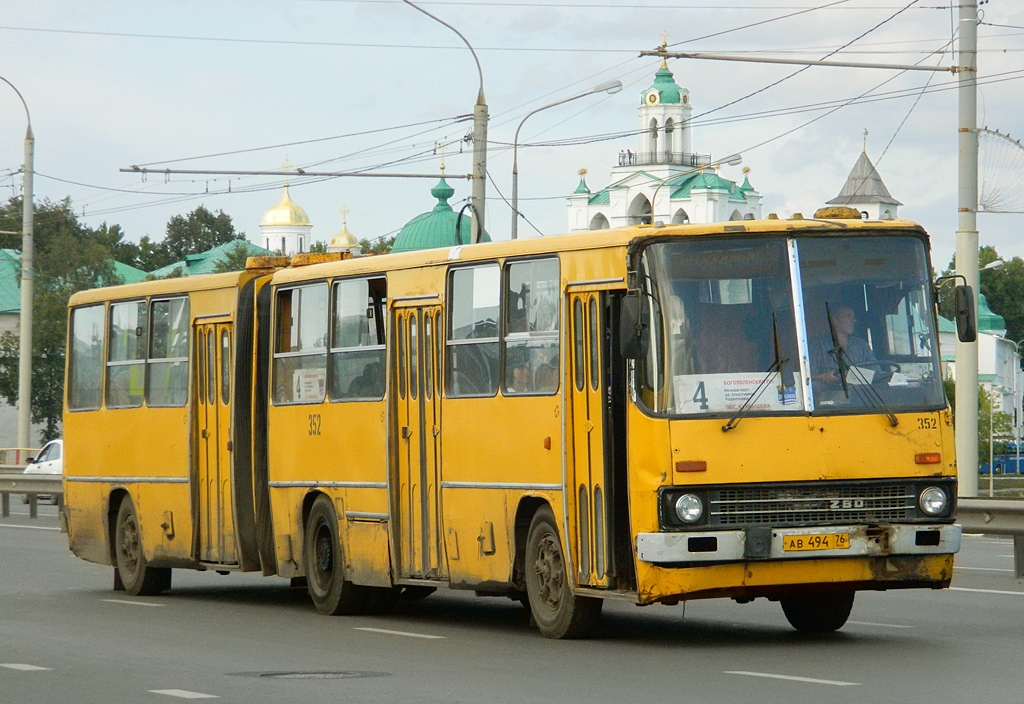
{"x":331,"y":593}
{"x":138,"y":578}
{"x":818,"y":613}
{"x":557,"y":612}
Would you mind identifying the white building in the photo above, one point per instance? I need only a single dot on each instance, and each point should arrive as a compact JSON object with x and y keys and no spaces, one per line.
{"x":663,"y":180}
{"x":286,"y":227}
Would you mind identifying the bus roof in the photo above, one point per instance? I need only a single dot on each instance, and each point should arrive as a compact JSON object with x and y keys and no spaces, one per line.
{"x":183,"y":284}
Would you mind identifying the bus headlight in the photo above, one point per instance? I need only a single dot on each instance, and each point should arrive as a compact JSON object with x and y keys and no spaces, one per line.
{"x":689,"y":508}
{"x":933,"y":501}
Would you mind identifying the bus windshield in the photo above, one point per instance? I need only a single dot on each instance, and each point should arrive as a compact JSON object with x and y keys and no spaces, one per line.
{"x":727,"y":331}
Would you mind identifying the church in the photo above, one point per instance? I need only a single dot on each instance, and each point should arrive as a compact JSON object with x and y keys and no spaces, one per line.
{"x":663,"y":179}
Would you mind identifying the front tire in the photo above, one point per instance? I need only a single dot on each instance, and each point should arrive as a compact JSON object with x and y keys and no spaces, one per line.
{"x":557,"y":612}
{"x":138,"y":578}
{"x":331,"y":593}
{"x":818,"y":613}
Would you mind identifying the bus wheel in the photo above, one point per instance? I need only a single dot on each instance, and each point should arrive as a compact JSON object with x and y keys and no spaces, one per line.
{"x":138,"y":578}
{"x":818,"y":613}
{"x":556,"y":610}
{"x":330,"y":592}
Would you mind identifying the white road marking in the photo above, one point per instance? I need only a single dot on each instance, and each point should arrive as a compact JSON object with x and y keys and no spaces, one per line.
{"x":984,"y":569}
{"x":399,"y":633}
{"x":183,"y":694}
{"x":24,"y":668}
{"x":791,"y":678}
{"x":5,"y":525}
{"x":877,"y":625}
{"x":133,"y":603}
{"x":985,"y":591}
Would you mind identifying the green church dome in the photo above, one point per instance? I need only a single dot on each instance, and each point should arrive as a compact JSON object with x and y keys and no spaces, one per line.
{"x":436,"y":228}
{"x":668,"y":90}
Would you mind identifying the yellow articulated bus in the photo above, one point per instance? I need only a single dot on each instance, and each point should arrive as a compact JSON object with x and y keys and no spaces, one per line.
{"x":654,"y":413}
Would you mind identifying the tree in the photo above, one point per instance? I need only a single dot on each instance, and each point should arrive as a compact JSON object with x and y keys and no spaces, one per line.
{"x":1002,"y":423}
{"x":318,"y":248}
{"x":1002,"y":288}
{"x":381,"y":245}
{"x":234,"y":259}
{"x":68,"y":258}
{"x":197,"y":232}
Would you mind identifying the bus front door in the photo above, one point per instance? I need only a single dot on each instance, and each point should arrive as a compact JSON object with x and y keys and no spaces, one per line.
{"x":588,"y":385}
{"x":415,"y":443}
{"x":212,"y":491}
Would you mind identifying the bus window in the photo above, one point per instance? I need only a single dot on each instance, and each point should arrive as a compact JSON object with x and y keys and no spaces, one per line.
{"x":85,"y":375}
{"x":225,"y":366}
{"x":126,"y":361}
{"x":868,"y":296}
{"x":531,"y":327}
{"x":473,"y":331}
{"x":300,"y":349}
{"x":357,"y":339}
{"x":167,"y":373}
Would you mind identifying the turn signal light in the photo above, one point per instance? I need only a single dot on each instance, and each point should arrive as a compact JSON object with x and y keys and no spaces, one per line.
{"x":692,"y":466}
{"x":927,"y":458}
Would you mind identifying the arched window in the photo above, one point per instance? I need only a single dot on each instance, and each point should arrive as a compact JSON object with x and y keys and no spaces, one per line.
{"x":736,"y":215}
{"x":640,"y":211}
{"x":284,"y":248}
{"x":680,"y":217}
{"x":887,"y":215}
{"x":653,"y":131}
{"x":669,"y":129}
{"x":599,"y":222}
{"x":864,"y":215}
{"x":301,"y":245}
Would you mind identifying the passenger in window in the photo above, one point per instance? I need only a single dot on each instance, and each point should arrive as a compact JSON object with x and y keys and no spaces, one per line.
{"x":545,"y":377}
{"x":824,"y":366}
{"x":370,"y":383}
{"x":520,"y":376}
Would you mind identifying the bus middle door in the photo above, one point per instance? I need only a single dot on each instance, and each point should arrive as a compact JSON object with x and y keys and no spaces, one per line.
{"x":588,"y":391}
{"x":415,"y":442}
{"x":215,"y":532}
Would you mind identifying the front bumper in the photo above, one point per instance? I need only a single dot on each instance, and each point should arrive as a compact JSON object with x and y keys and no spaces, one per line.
{"x":764,"y":543}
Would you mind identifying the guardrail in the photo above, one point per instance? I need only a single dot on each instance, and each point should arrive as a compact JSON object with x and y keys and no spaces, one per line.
{"x":32,"y":485}
{"x":16,"y":456}
{"x":997,"y":517}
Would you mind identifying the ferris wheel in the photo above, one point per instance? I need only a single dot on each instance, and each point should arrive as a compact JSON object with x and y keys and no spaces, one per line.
{"x":1000,"y":173}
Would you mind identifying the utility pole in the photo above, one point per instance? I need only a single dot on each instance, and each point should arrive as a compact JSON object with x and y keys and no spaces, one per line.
{"x":25,"y":314}
{"x":966,"y":430}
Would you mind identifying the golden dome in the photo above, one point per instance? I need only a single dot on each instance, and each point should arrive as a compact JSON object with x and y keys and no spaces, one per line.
{"x":286,"y":212}
{"x":343,"y":240}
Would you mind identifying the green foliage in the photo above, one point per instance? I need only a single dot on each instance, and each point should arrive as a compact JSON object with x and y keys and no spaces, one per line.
{"x":1001,"y":423}
{"x":196,"y":232}
{"x":1002,"y":288}
{"x":234,"y":259}
{"x":381,"y":245}
{"x":318,"y":248}
{"x":67,"y":258}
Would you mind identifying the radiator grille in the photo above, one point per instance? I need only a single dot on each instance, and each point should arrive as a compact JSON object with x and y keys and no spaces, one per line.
{"x":820,"y":504}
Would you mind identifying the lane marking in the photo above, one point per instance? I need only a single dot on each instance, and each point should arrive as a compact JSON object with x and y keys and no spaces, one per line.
{"x":877,"y":625}
{"x":133,"y":603}
{"x":985,"y":591}
{"x":23,"y":668}
{"x":400,"y":633}
{"x":984,"y":569}
{"x":811,"y":680}
{"x":183,"y":694}
{"x":7,"y":525}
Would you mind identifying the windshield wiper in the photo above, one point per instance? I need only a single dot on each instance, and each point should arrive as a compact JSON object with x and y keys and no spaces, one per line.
{"x":776,"y":366}
{"x":870,"y":397}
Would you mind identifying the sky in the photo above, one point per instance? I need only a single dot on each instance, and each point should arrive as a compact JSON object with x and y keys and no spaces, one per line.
{"x":345,"y":85}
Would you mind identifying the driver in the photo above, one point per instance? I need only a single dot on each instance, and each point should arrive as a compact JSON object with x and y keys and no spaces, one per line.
{"x":824,"y":367}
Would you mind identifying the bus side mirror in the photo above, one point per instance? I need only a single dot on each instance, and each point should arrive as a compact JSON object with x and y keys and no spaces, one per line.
{"x":966,"y":323}
{"x":634,"y":326}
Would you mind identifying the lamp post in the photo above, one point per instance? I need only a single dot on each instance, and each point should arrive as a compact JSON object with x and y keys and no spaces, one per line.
{"x":479,"y":137}
{"x":607,"y":87}
{"x":25,"y":342}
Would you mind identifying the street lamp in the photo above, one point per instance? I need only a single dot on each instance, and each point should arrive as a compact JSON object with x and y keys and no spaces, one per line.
{"x":479,"y":137}
{"x":25,"y":343}
{"x":606,"y":87}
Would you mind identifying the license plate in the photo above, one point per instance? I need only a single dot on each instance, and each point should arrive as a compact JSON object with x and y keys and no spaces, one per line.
{"x":826,"y":541}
